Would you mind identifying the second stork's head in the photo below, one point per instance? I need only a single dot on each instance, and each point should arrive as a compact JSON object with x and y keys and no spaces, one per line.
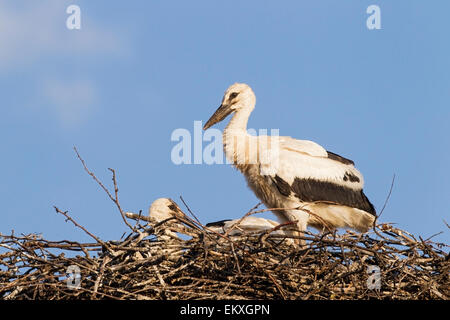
{"x":238,"y":97}
{"x":164,"y":208}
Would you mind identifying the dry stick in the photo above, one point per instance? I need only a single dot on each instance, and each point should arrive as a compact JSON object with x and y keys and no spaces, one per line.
{"x":448,"y":226}
{"x":64,"y":213}
{"x":242,"y":218}
{"x":138,"y":217}
{"x":189,"y":209}
{"x":116,"y":199}
{"x":374,"y":227}
{"x":116,"y":189}
{"x":236,"y":258}
{"x":106,"y":259}
{"x":158,"y":274}
{"x":434,"y":235}
{"x":93,"y":175}
{"x":137,"y":220}
{"x":387,"y":198}
{"x":268,"y":232}
{"x":197,"y":220}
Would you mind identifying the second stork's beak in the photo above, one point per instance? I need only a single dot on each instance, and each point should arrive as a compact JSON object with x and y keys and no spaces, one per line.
{"x":220,"y":114}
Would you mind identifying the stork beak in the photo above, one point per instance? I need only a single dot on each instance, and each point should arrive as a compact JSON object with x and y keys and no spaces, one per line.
{"x":220,"y":114}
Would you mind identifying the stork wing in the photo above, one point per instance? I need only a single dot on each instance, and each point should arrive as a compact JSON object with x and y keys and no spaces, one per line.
{"x":311,"y":148}
{"x":302,"y":146}
{"x":339,"y":158}
{"x":310,"y":173}
{"x":245,"y":225}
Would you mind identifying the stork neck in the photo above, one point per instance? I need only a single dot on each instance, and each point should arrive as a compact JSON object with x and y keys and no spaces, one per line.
{"x":239,"y":121}
{"x":237,"y":142}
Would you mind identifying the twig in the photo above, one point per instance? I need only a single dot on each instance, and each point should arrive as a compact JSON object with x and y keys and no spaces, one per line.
{"x":236,"y":258}
{"x":448,"y":226}
{"x":387,"y":199}
{"x":189,"y":210}
{"x":93,"y":175}
{"x":64,"y":213}
{"x":114,"y":199}
{"x":242,"y":218}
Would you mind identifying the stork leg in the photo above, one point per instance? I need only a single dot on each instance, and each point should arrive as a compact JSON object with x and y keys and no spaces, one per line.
{"x":300,"y":227}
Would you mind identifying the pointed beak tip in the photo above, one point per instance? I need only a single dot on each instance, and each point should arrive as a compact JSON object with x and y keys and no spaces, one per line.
{"x":221,"y":113}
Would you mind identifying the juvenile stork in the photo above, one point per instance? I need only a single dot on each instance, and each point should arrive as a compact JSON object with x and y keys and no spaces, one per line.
{"x":300,"y":180}
{"x":160,"y":210}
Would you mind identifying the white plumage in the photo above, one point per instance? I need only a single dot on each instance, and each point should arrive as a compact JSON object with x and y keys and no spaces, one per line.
{"x":302,"y":180}
{"x":249,"y":225}
{"x":164,"y":208}
{"x":160,"y":210}
{"x":245,"y":225}
{"x":239,"y":226}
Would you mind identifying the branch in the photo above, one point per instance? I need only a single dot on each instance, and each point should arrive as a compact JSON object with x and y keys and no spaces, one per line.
{"x":114,"y":199}
{"x":387,"y":198}
{"x":64,"y":213}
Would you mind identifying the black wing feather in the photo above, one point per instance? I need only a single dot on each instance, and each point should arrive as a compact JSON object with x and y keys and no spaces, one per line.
{"x":312,"y":190}
{"x":334,"y":156}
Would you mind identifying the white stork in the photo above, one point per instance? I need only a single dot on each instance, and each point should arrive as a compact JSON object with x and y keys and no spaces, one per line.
{"x":298,"y":179}
{"x":161,"y":209}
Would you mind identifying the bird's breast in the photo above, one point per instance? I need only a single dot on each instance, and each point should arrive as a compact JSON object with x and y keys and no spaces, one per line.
{"x":262,"y":186}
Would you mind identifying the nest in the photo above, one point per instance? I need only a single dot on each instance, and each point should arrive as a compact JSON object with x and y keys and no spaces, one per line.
{"x":179,"y":258}
{"x":154,"y":262}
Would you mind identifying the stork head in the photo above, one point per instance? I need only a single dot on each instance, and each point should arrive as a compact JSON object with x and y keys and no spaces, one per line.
{"x":164,"y":208}
{"x":239,"y":96}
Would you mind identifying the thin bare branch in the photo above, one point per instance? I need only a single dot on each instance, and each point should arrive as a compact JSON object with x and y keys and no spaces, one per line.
{"x":114,"y":198}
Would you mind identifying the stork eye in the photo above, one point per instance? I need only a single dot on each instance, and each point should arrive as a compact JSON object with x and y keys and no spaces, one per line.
{"x":233,"y":95}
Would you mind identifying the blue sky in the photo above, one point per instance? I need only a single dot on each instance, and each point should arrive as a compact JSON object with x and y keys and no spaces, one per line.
{"x":138,"y":70}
